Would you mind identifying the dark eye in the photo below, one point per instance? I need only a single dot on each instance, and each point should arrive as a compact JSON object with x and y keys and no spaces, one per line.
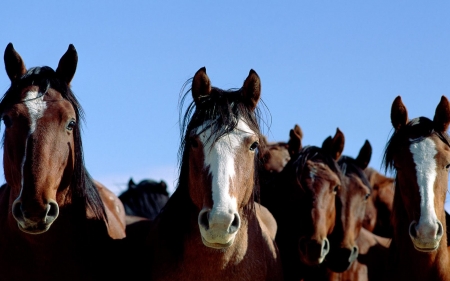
{"x":193,"y":142}
{"x":71,"y":125}
{"x":367,"y":196}
{"x":7,"y":121}
{"x":447,"y":167}
{"x":336,"y":188}
{"x":254,"y":146}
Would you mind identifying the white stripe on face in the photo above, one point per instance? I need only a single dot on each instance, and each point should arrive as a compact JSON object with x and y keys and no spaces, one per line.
{"x":424,"y":153}
{"x":36,"y":105}
{"x":221,"y":163}
{"x":34,"y":101}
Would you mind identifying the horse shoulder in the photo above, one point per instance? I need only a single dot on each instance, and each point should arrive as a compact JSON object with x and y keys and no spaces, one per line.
{"x":266,"y":221}
{"x":115,"y":212}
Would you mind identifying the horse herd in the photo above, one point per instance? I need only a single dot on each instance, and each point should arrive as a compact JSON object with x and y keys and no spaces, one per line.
{"x":243,"y":209}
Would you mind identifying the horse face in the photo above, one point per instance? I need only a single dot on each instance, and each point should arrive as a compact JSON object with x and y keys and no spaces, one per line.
{"x":221,"y":181}
{"x":420,"y":152}
{"x":276,"y":157}
{"x":322,"y":184}
{"x":422,"y":174}
{"x":39,"y":154}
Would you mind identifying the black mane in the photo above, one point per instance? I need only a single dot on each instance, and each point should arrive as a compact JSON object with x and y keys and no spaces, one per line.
{"x":82,"y":188}
{"x":416,"y":129}
{"x":223,"y":108}
{"x":349,"y":166}
{"x":299,"y":160}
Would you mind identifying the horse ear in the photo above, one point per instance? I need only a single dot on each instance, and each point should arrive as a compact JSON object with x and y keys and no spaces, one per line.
{"x":399,"y":114}
{"x":251,"y":90}
{"x":334,"y":146}
{"x":15,"y":68}
{"x":131,"y":184}
{"x":201,"y":85}
{"x":295,"y":140}
{"x":364,"y":155}
{"x":441,"y":118}
{"x":68,"y":64}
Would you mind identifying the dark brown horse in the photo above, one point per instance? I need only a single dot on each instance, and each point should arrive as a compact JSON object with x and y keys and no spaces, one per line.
{"x":54,"y":223}
{"x":419,"y":152}
{"x":350,"y":209}
{"x":211,"y":228}
{"x":303,"y":203}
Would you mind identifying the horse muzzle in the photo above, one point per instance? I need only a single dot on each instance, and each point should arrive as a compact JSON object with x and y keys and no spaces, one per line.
{"x":218,"y":229}
{"x":426,"y":236}
{"x":35,"y":221}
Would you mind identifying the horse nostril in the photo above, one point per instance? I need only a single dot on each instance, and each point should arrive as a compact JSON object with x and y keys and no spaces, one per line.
{"x":203,"y":219}
{"x":17,"y":210}
{"x":440,"y":231}
{"x":412,"y":229}
{"x":52,"y":211}
{"x":235,"y":224}
{"x":325,"y":246}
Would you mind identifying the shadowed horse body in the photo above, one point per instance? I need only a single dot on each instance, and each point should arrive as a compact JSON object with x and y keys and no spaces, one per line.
{"x":145,"y":199}
{"x":211,"y":228}
{"x":419,"y":152}
{"x":56,"y":222}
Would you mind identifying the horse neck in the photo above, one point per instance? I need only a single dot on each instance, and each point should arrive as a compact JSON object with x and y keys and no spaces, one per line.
{"x":406,"y":260}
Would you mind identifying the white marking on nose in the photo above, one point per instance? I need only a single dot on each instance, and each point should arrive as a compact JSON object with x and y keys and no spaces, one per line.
{"x":220,"y":159}
{"x":424,"y":153}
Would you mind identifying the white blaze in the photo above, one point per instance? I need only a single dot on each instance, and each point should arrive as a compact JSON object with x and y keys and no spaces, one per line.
{"x":34,"y":101}
{"x":220,"y":159}
{"x":424,"y":153}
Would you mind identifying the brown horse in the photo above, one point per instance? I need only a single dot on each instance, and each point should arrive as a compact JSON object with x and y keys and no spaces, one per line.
{"x":379,"y":205}
{"x":56,"y":222}
{"x":303,"y":204}
{"x":419,"y":152}
{"x":211,"y":228}
{"x":352,"y":200}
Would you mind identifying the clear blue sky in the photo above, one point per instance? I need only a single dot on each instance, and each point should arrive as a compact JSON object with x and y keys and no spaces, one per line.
{"x":323,"y":65}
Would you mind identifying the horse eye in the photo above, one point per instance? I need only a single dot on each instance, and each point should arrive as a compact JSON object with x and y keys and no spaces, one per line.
{"x":193,"y":142}
{"x":7,"y":121}
{"x":254,"y":146}
{"x":447,"y":167}
{"x":336,"y":188}
{"x":71,"y":125}
{"x":367,"y":196}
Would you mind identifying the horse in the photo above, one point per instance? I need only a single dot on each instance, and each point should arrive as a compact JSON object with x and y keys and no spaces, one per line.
{"x":303,"y":203}
{"x":145,"y":199}
{"x":56,"y":221}
{"x":350,"y":209}
{"x":211,"y":228}
{"x":379,"y":205}
{"x":419,"y":152}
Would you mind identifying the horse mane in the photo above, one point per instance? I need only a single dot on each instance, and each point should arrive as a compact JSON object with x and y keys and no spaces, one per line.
{"x":350,"y":166}
{"x":416,"y":129}
{"x":298,"y":161}
{"x":83,"y":191}
{"x":220,"y":112}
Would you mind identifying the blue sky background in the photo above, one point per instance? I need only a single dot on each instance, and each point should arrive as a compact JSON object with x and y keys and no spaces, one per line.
{"x":322,"y":64}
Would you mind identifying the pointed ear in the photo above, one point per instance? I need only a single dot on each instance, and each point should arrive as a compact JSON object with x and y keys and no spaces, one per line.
{"x":334,"y":146}
{"x":441,"y":118}
{"x":68,"y":65}
{"x":251,"y":90}
{"x":364,"y":155}
{"x":15,"y":68}
{"x":201,"y":85}
{"x":295,"y":140}
{"x":399,"y":114}
{"x":131,"y":184}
